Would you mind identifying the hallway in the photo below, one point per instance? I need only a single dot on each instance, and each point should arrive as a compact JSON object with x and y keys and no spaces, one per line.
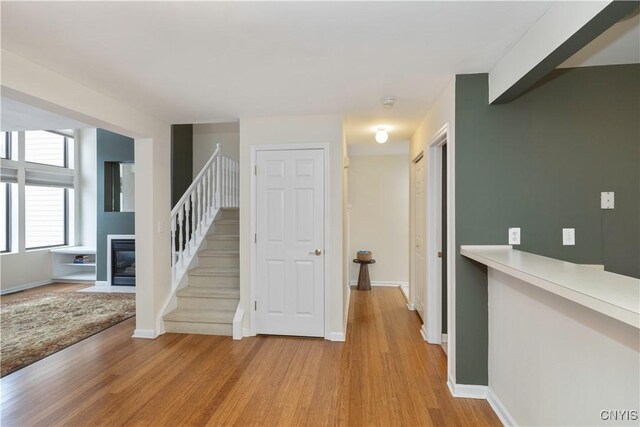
{"x":385,"y":374}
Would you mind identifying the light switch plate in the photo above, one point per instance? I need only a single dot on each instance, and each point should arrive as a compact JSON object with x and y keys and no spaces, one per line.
{"x":606,"y":200}
{"x":569,"y":236}
{"x":514,"y":236}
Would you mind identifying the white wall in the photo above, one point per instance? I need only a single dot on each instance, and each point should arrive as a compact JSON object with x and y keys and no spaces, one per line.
{"x":442,"y":113}
{"x":379,"y":201}
{"x":295,"y":130}
{"x":22,"y":270}
{"x":32,"y":84}
{"x":555,"y":362}
{"x":86,"y":187}
{"x":205,"y":138}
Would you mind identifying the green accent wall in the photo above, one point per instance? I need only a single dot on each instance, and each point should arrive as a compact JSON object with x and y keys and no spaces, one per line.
{"x":181,"y":160}
{"x":110,"y":147}
{"x":540,"y":163}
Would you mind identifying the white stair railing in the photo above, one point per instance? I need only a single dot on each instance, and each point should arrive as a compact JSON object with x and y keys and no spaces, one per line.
{"x":216,"y":186}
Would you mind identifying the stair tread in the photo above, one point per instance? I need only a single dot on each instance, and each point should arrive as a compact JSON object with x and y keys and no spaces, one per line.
{"x":200,"y":316}
{"x":227,"y":221}
{"x":209,"y":292}
{"x":214,"y":271}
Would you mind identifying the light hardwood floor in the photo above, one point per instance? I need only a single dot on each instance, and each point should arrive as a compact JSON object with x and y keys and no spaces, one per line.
{"x":385,"y":374}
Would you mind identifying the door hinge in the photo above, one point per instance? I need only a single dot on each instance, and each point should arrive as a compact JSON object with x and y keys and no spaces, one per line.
{"x":255,"y":170}
{"x":255,"y":238}
{"x":255,"y":305}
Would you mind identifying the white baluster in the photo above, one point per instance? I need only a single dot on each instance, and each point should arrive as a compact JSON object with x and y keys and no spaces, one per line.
{"x":180,"y":236}
{"x":188,"y":210}
{"x":213,"y":185}
{"x":173,"y":245}
{"x":218,"y":181}
{"x":199,"y":220}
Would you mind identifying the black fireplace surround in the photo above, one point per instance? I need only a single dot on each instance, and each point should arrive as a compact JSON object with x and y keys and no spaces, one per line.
{"x":123,"y":262}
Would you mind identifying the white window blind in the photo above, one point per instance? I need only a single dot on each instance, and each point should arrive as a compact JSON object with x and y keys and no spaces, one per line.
{"x":45,"y":216}
{"x":4,"y":244}
{"x":45,"y":147}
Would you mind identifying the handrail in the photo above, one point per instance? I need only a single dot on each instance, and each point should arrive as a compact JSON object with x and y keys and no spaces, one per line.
{"x":196,"y":179}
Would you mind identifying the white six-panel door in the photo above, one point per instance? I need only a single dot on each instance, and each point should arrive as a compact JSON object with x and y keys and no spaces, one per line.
{"x":290,"y":242}
{"x":420,"y":262}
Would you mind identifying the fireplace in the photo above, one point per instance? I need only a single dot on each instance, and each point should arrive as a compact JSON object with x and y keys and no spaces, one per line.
{"x":123,"y":262}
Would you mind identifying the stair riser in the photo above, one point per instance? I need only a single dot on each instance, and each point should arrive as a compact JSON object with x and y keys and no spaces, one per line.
{"x":226,"y":229}
{"x":229,"y":214}
{"x":208,"y":303}
{"x":214,"y":281}
{"x":223,"y":245}
{"x":199,"y":328}
{"x":223,"y":262}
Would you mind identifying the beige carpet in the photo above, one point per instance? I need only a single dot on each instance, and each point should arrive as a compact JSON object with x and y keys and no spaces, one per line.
{"x":34,"y":327}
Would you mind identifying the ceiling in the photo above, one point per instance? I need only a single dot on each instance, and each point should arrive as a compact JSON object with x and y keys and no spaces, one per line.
{"x":196,"y":62}
{"x":16,"y":116}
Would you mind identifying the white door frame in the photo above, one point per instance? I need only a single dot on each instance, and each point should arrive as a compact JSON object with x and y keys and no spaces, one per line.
{"x":411,"y":305}
{"x":434,"y":243}
{"x":253,"y":212}
{"x":433,"y":328}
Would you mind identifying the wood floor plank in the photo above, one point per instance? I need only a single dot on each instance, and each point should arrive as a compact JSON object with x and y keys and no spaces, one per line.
{"x":384,"y":374}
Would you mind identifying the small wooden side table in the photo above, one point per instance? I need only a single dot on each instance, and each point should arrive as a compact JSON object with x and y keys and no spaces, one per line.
{"x":364,"y":281}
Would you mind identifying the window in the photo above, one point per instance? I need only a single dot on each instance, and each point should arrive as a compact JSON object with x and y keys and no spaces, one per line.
{"x":49,"y":148}
{"x":5,"y":144}
{"x":45,"y":216}
{"x":5,"y":219}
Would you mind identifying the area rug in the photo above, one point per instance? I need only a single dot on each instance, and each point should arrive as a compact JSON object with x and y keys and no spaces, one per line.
{"x":34,"y":327}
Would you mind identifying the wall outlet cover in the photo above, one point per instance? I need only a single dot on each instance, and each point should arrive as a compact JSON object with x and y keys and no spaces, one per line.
{"x":514,"y":236}
{"x":569,"y":236}
{"x":607,"y":200}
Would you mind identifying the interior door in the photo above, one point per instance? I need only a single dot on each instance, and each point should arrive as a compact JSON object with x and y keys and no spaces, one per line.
{"x":420,"y":262}
{"x":290,"y":242}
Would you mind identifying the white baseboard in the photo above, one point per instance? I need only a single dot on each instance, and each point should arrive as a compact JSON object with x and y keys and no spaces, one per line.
{"x":423,"y":332}
{"x":443,"y":343}
{"x":25,"y":287}
{"x":246,"y":332}
{"x":505,"y":416}
{"x":467,"y":391}
{"x":145,"y":333}
{"x":237,"y":323}
{"x":336,"y":336}
{"x":444,"y":339}
{"x":346,"y":314}
{"x":391,"y":284}
{"x":411,"y":307}
{"x":101,"y":283}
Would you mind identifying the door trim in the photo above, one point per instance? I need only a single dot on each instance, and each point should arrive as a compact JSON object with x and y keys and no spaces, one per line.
{"x":434,"y":214}
{"x":411,"y":305}
{"x":253,"y":150}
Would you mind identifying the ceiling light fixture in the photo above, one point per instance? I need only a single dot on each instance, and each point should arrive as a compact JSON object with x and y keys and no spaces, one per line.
{"x":388,"y":102}
{"x":382,"y":136}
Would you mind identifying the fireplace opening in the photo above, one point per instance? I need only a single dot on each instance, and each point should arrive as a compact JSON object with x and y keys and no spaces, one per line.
{"x":123,"y":262}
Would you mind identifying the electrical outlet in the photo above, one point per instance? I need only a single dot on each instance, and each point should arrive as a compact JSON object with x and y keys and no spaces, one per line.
{"x":606,"y":200}
{"x":569,"y":236}
{"x":514,"y":236}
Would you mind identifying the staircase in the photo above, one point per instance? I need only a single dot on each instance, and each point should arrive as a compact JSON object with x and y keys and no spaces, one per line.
{"x":209,"y":301}
{"x":205,"y":262}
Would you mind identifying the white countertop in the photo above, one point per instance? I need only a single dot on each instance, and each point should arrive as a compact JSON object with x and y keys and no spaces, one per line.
{"x":611,"y":294}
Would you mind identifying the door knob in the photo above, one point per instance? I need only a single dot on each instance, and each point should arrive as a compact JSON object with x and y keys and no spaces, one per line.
{"x":317,"y":252}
